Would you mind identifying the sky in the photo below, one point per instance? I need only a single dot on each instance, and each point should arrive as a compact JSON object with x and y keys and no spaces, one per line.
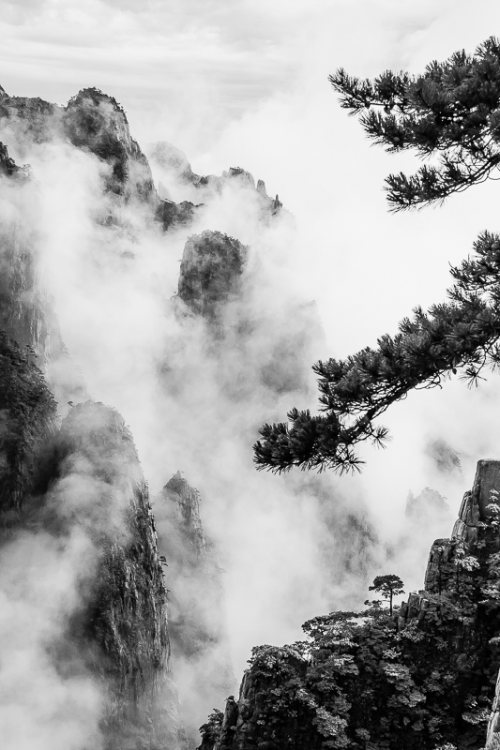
{"x":245,"y":83}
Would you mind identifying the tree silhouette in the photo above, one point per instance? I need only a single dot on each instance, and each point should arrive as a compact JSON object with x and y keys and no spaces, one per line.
{"x":452,"y":113}
{"x":389,"y":586}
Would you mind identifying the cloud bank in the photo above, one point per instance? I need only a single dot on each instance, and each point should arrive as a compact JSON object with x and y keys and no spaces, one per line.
{"x":247,"y":86}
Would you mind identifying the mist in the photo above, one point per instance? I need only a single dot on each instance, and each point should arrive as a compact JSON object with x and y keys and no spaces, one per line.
{"x":41,"y":706}
{"x":326,"y":276}
{"x":195,"y":392}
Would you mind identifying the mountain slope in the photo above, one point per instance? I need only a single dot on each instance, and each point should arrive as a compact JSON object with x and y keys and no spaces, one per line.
{"x":418,"y":680}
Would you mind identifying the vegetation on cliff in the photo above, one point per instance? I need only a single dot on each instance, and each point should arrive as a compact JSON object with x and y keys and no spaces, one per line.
{"x":125,"y":614}
{"x":367,"y":680}
{"x":27,"y":412}
{"x":211,"y":269}
{"x":389,"y":585}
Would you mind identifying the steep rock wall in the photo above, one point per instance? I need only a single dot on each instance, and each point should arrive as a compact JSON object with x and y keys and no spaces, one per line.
{"x":23,"y":311}
{"x":96,"y":483}
{"x":418,"y":680}
{"x":174,"y":166}
{"x":27,"y":422}
{"x":210,"y":274}
{"x":200,"y":647}
{"x":82,"y":485}
{"x":96,"y":123}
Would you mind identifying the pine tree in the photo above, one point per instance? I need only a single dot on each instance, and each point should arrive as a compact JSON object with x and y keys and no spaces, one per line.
{"x":452,"y":113}
{"x":389,"y":586}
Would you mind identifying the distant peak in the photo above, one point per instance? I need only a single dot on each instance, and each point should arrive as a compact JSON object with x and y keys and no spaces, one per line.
{"x":211,"y":269}
{"x":173,"y":159}
{"x":96,"y":97}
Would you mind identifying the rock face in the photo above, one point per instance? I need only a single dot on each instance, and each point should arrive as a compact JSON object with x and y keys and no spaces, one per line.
{"x":175,"y":167}
{"x":81,"y":486}
{"x":171,"y":214}
{"x":196,"y":600}
{"x":211,"y":269}
{"x":27,"y":419}
{"x":8,"y":166}
{"x":84,"y":479}
{"x":23,"y":313}
{"x":84,"y":482}
{"x":25,"y":117}
{"x":418,"y":680}
{"x":94,"y":121}
{"x":196,"y":619}
{"x":493,"y":733}
{"x":122,"y":623}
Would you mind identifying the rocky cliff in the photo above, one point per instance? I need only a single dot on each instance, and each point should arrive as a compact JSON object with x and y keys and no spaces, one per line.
{"x":95,"y":123}
{"x":23,"y":311}
{"x":27,"y":419}
{"x":196,"y":596}
{"x":78,"y":486}
{"x":96,"y":485}
{"x":81,"y":478}
{"x":84,"y":481}
{"x":210,"y":273}
{"x":177,"y":176}
{"x":197,"y":627}
{"x":422,"y":679}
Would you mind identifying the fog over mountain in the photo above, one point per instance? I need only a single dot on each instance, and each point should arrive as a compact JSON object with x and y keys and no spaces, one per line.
{"x":188,"y":223}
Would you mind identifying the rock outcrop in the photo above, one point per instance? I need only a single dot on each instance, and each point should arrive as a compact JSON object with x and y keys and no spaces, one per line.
{"x":96,"y":123}
{"x":196,"y":610}
{"x":493,"y":732}
{"x":174,"y":164}
{"x":82,"y":480}
{"x":8,"y":166}
{"x":27,"y":422}
{"x":81,"y":485}
{"x":23,"y":312}
{"x":121,"y":628}
{"x":424,"y":678}
{"x":28,"y":118}
{"x":211,"y":269}
{"x":197,"y":628}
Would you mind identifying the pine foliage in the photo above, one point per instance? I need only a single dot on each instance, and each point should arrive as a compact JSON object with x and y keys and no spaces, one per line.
{"x":452,"y":110}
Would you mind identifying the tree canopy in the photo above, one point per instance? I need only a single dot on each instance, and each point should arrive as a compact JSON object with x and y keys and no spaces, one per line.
{"x":452,"y":113}
{"x":389,"y":586}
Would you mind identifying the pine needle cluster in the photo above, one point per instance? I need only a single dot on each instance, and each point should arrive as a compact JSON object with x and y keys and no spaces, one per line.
{"x":452,"y":111}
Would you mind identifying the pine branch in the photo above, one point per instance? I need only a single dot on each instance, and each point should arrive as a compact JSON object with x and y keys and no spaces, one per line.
{"x":453,"y":109}
{"x":459,"y":335}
